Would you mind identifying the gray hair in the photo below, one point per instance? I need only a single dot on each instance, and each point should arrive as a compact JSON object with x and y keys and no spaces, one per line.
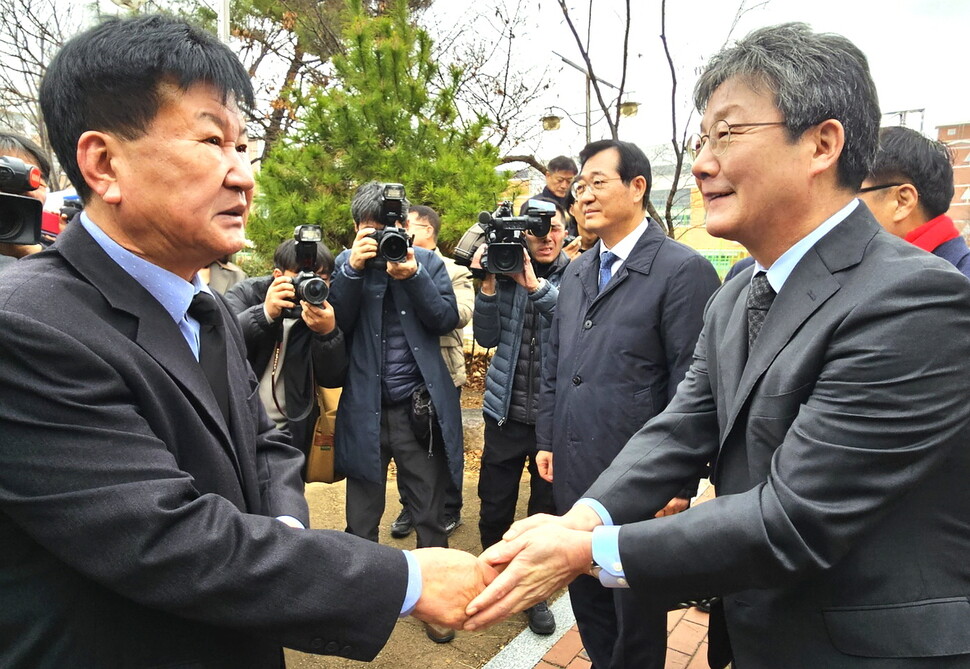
{"x":366,"y":205}
{"x":814,"y":77}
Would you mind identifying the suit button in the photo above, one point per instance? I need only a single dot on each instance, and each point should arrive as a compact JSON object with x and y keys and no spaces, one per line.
{"x":332,"y":647}
{"x":577,"y":380}
{"x":587,"y":325}
{"x":316,"y":642}
{"x":346,"y":651}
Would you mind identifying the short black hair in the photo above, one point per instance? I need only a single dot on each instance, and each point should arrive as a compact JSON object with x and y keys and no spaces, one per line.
{"x":906,"y":155}
{"x":633,"y":161}
{"x":430,"y":215}
{"x":12,"y":142}
{"x":562,"y":164}
{"x":285,"y":258}
{"x":109,"y":79}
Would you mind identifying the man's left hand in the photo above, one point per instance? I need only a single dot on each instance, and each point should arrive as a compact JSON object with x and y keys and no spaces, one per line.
{"x":403,"y":270}
{"x":537,"y":563}
{"x":527,"y":277}
{"x":320,"y":319}
{"x":676,"y":505}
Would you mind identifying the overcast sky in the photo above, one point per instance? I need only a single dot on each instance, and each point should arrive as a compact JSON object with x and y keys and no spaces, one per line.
{"x":918,"y":52}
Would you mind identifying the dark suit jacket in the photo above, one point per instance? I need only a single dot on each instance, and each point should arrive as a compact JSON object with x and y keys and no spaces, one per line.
{"x":136,"y":529}
{"x":614,"y":359}
{"x":840,"y":532}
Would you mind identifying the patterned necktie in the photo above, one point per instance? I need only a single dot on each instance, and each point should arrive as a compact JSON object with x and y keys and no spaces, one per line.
{"x":760,"y":297}
{"x":212,"y":347}
{"x":607,"y":258}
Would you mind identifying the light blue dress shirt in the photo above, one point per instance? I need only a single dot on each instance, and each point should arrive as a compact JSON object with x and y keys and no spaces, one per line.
{"x":606,"y":538}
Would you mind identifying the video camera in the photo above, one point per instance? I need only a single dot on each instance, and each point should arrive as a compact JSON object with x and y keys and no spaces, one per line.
{"x":392,"y":241}
{"x":309,"y":287}
{"x":503,"y":233}
{"x":20,"y":215}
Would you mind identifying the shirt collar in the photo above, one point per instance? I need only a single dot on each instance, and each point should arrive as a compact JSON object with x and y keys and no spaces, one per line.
{"x":782,"y":268}
{"x":623,"y":248}
{"x":173,"y":292}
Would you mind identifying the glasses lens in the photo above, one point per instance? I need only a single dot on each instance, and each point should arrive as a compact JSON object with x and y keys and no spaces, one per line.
{"x":720,"y":137}
{"x":577,"y":189}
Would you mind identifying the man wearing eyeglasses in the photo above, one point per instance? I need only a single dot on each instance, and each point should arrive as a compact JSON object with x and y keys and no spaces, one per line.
{"x":828,"y":389}
{"x":909,"y":190}
{"x":626,"y":323}
{"x":560,"y":173}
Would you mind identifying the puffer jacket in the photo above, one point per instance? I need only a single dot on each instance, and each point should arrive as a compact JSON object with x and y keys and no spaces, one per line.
{"x":498,"y":323}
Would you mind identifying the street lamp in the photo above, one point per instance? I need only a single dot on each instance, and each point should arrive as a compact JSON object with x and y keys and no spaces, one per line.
{"x":627,"y":108}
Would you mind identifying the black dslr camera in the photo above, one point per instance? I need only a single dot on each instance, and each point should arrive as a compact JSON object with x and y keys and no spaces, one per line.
{"x":20,"y":215}
{"x":309,"y":287}
{"x":392,"y":241}
{"x":503,"y":233}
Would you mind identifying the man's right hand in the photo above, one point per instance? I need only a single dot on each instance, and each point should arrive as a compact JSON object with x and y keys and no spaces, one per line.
{"x":544,"y":464}
{"x":280,"y":295}
{"x":450,"y":580}
{"x":363,"y":249}
{"x":488,"y":283}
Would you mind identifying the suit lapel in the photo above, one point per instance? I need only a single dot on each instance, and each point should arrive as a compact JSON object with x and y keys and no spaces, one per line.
{"x":810,"y":284}
{"x":156,"y":332}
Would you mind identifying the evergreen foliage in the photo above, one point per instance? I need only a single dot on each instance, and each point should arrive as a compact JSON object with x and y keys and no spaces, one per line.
{"x":383,"y":117}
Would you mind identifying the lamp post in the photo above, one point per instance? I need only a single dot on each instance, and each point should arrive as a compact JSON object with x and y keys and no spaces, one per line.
{"x":627,"y":108}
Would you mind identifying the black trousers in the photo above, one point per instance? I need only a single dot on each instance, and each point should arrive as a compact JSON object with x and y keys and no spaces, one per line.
{"x":421,"y":475}
{"x":453,"y":500}
{"x":618,"y":632}
{"x":508,"y":447}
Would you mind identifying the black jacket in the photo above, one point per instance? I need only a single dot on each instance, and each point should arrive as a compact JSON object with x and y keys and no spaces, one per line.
{"x":325,"y":355}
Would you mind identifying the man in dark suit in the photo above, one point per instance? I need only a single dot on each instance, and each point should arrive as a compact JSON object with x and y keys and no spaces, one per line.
{"x":828,"y":388}
{"x":624,"y":329}
{"x":150,"y":514}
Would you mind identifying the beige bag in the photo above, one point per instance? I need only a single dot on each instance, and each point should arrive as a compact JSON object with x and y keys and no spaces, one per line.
{"x":320,"y":462}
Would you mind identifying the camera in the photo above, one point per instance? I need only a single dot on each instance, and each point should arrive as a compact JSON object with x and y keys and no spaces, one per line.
{"x":309,"y":287}
{"x":20,"y":215}
{"x":392,"y":241}
{"x":503,"y":233}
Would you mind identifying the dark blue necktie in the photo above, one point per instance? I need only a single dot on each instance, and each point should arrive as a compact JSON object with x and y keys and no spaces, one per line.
{"x":607,"y":258}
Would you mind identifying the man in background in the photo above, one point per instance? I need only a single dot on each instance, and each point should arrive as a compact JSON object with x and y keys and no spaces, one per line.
{"x":293,"y":346}
{"x":424,"y":225}
{"x":623,"y":336}
{"x":909,"y":190}
{"x":559,"y":174}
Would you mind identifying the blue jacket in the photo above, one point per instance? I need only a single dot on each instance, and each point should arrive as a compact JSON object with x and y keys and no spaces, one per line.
{"x":498,"y":323}
{"x":427,"y":308}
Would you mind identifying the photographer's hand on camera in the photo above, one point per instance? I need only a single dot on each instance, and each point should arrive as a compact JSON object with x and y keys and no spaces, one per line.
{"x":488,"y":282}
{"x":527,"y":277}
{"x":403,"y":270}
{"x":363,"y":249}
{"x":279,"y":296}
{"x":319,"y":319}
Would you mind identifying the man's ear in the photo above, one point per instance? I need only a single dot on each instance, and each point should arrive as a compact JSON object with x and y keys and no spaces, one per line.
{"x":829,"y":140}
{"x":277,"y":272}
{"x":907,"y":199}
{"x":96,"y":152}
{"x":639,"y":186}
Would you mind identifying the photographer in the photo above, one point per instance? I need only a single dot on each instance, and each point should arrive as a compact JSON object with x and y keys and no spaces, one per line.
{"x":293,"y":346}
{"x":513,"y":314}
{"x":17,"y":146}
{"x":393,"y":313}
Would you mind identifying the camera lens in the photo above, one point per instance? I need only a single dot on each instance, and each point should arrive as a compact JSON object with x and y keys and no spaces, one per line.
{"x":505,"y":258}
{"x":394,"y":247}
{"x":311,"y":288}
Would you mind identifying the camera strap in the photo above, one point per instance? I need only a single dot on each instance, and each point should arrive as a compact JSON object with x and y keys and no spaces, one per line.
{"x":273,"y":381}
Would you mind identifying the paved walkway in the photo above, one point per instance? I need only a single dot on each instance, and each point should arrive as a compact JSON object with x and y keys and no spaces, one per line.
{"x":686,"y":637}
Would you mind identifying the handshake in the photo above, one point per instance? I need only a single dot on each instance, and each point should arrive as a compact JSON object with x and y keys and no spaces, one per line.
{"x":538,"y":555}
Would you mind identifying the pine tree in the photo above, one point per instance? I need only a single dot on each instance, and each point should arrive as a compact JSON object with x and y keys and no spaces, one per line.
{"x":386,"y":116}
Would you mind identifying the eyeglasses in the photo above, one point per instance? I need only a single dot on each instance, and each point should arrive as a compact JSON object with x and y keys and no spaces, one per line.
{"x":869,"y":189}
{"x":597,"y":185}
{"x":719,"y":136}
